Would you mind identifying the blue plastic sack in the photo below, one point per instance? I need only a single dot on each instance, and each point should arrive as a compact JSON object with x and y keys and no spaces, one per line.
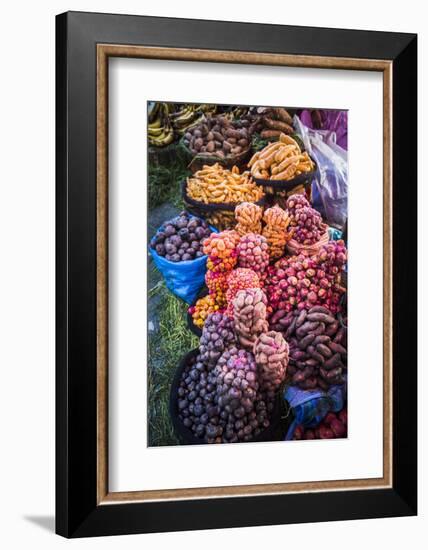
{"x":184,"y":279}
{"x":311,"y":406}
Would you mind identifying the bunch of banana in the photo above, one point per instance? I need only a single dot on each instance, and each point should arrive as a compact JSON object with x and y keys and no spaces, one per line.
{"x":207,"y":108}
{"x":239,"y":111}
{"x":160,"y":130}
{"x":188,"y":115}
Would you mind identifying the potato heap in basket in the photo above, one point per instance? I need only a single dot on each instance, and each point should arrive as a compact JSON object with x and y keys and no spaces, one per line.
{"x":280,"y":161}
{"x":215,"y":184}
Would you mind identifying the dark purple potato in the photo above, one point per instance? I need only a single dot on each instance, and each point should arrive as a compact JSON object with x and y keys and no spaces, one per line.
{"x":175,"y":240}
{"x":198,"y":410}
{"x":191,"y":252}
{"x":184,"y":233}
{"x":175,"y":258}
{"x":192,"y":236}
{"x":170,"y":249}
{"x":200,"y":430}
{"x":182,"y":404}
{"x":193,"y":224}
{"x":186,"y":257}
{"x":169,"y":230}
{"x":239,"y":412}
{"x":199,"y":254}
{"x":160,"y":249}
{"x":200,"y":233}
{"x":194,"y":244}
{"x":182,"y":222}
{"x":168,"y":257}
{"x":160,"y":237}
{"x":211,"y":431}
{"x":184,"y":246}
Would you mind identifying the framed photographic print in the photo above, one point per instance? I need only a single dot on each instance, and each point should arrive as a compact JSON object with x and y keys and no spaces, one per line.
{"x":236,"y":274}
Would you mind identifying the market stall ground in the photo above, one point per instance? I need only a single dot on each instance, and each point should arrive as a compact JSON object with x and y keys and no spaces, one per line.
{"x":169,"y":336}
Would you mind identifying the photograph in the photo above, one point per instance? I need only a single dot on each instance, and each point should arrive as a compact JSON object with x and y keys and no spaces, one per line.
{"x":247,"y":276}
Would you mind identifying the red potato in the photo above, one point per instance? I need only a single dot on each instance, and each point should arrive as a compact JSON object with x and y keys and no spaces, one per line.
{"x":333,"y":426}
{"x":338,"y":428}
{"x":329,"y":418}
{"x":325,"y":433}
{"x":309,"y":434}
{"x":343,"y":416}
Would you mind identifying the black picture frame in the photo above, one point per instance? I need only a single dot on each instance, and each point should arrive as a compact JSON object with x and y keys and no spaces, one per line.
{"x":77,"y":512}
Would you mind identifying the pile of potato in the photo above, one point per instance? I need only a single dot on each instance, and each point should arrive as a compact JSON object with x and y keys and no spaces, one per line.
{"x":203,"y":308}
{"x":218,"y":333}
{"x":221,"y":250}
{"x":218,"y":137}
{"x":250,"y":316}
{"x":253,"y":252}
{"x":218,"y":185}
{"x":274,"y":121}
{"x":180,"y":239}
{"x":303,"y":282}
{"x":333,"y":426}
{"x":248,"y":218}
{"x":272,"y":355}
{"x":239,"y":279}
{"x":318,"y":355}
{"x":275,"y":230}
{"x":281,"y":160}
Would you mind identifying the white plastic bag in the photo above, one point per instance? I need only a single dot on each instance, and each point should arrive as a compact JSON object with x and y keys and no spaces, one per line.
{"x":330,"y":187}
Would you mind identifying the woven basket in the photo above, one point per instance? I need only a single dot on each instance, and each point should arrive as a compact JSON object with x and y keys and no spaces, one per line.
{"x":197,"y":162}
{"x":219,"y":215}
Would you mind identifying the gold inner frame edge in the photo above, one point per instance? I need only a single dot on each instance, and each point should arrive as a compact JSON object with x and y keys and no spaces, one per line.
{"x":104,"y":51}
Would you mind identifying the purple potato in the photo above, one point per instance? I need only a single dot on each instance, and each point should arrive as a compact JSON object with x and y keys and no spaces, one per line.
{"x":160,"y":249}
{"x":169,"y":230}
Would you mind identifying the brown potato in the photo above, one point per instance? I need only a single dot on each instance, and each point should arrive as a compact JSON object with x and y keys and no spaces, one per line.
{"x":198,"y":143}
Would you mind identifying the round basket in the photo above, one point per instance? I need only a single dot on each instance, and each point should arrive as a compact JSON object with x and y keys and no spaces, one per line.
{"x":278,"y":191}
{"x":197,"y":162}
{"x":186,"y":437}
{"x":219,"y":215}
{"x":295,"y":248}
{"x":288,"y":185}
